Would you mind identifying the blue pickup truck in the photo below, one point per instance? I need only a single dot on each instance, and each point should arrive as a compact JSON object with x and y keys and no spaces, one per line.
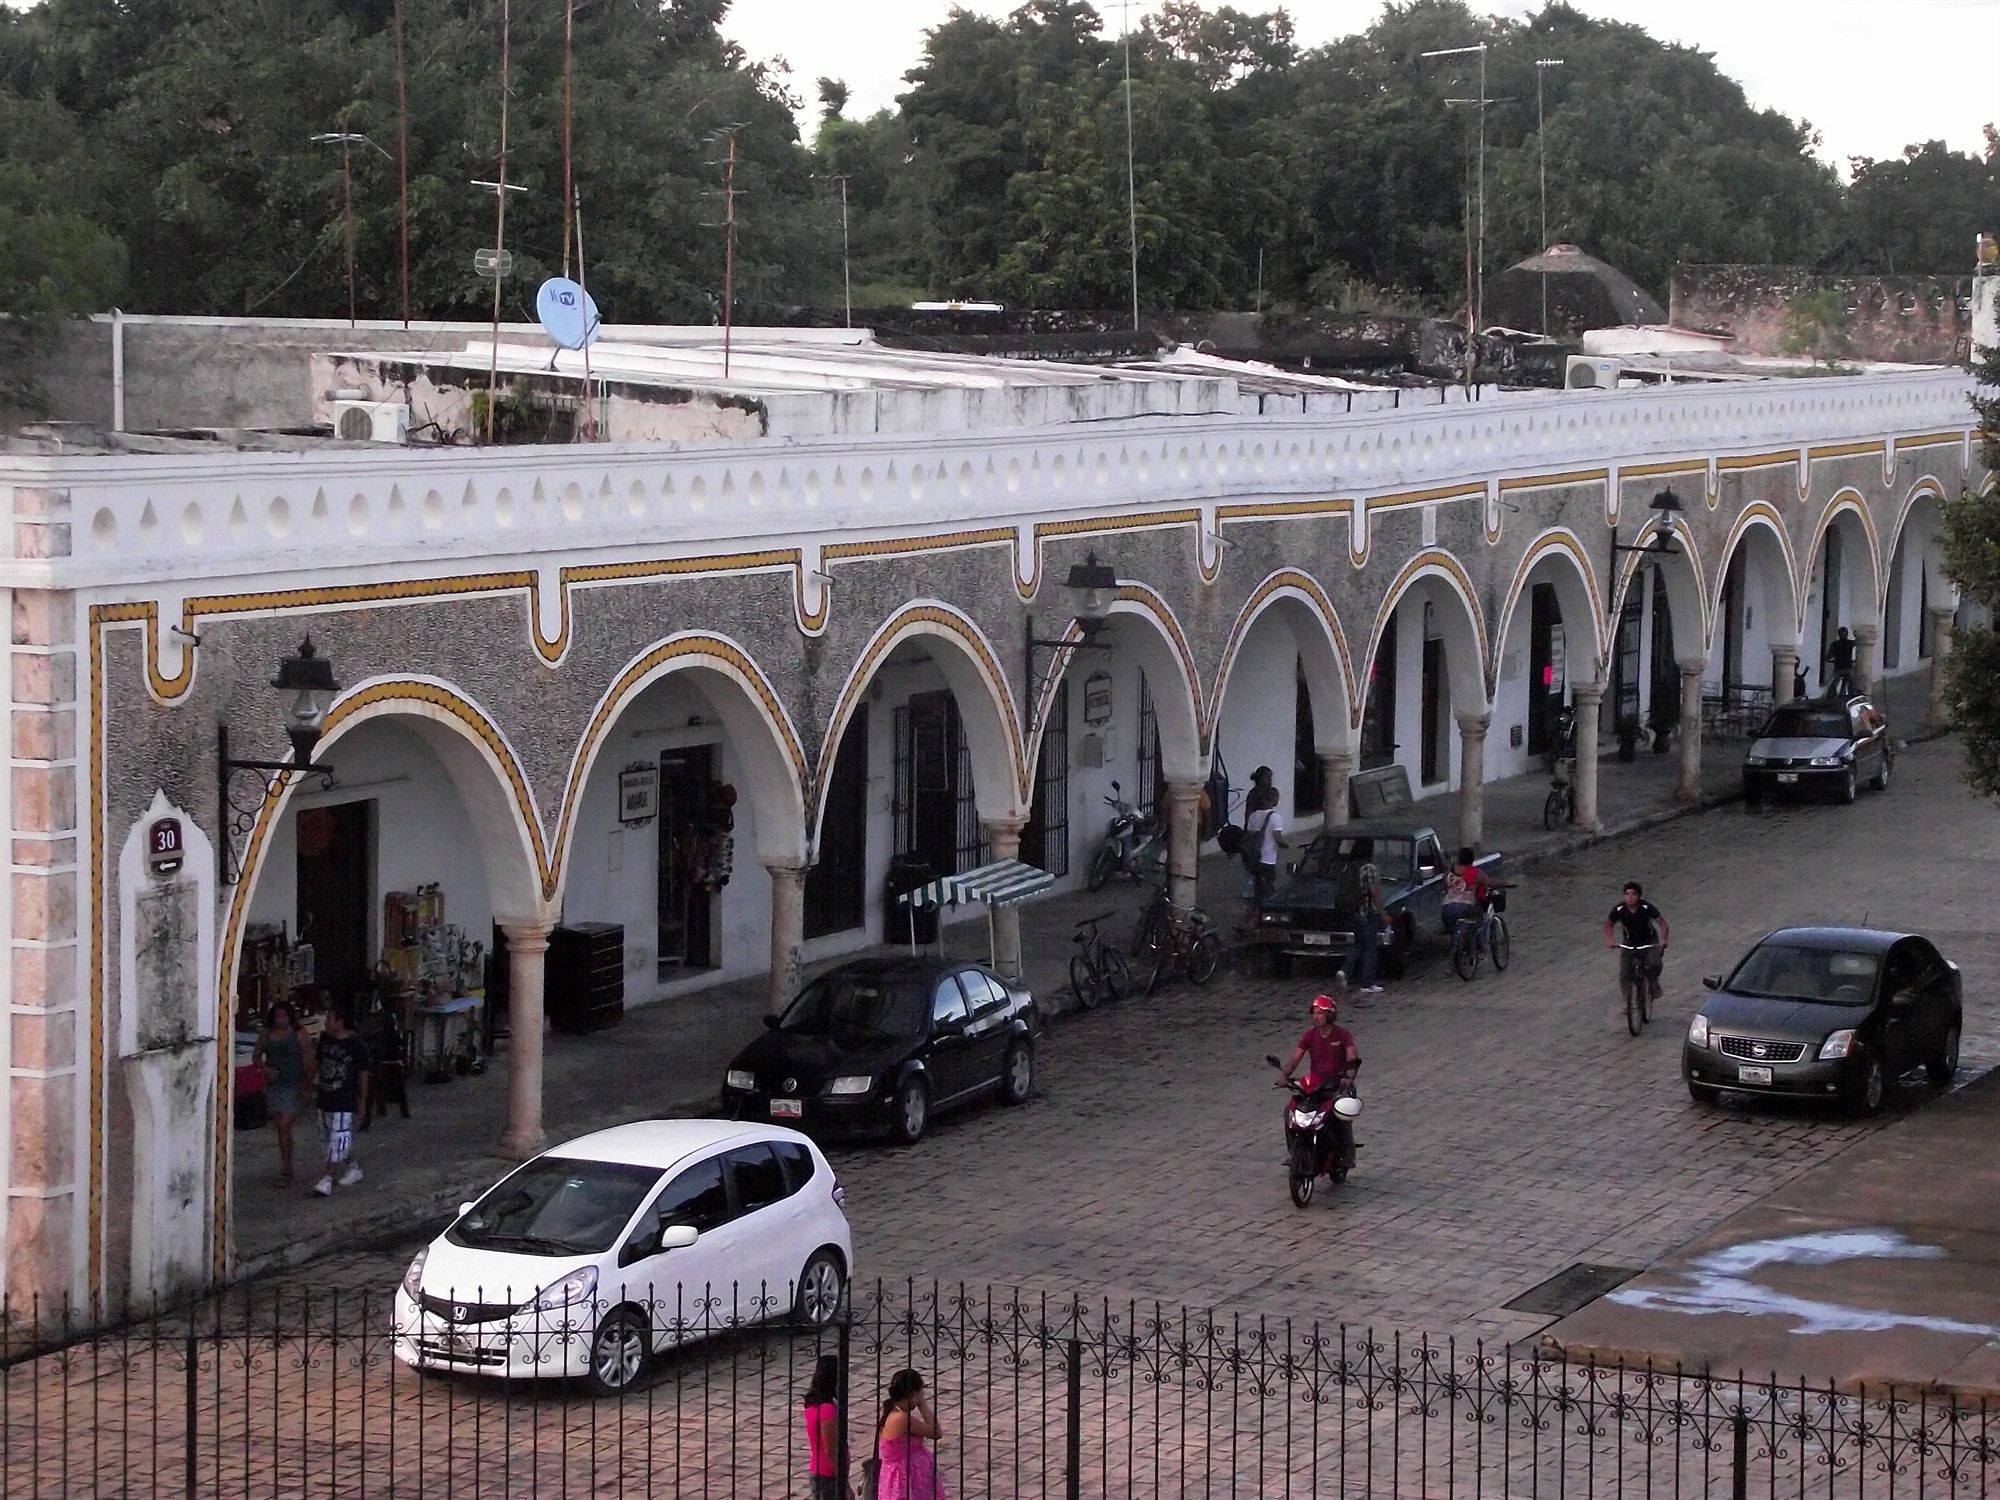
{"x":1312,"y":914}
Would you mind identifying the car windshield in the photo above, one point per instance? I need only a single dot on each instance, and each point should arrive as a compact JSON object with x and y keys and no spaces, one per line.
{"x":1327,"y":856}
{"x":1781,"y":971}
{"x":555,"y":1206}
{"x":1806,"y":724}
{"x":857,"y":1008}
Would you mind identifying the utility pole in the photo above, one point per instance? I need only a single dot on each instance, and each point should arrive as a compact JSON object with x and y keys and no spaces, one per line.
{"x":846,"y":283}
{"x":347,"y":140}
{"x":1131,"y":181}
{"x":1542,"y":65}
{"x":402,"y":166}
{"x":500,"y":216}
{"x":728,"y":244}
{"x":1479,"y":262}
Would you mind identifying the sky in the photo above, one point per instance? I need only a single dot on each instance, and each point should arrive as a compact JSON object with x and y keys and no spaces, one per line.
{"x":1871,"y":75}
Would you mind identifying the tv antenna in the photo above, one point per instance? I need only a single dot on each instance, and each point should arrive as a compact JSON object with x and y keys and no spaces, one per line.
{"x":727,"y":135}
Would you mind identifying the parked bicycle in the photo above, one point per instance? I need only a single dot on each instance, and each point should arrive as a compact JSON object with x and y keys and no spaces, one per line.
{"x":1097,"y":970}
{"x":1177,"y":940}
{"x":1481,"y":937}
{"x":1635,"y":983}
{"x":1559,"y":809}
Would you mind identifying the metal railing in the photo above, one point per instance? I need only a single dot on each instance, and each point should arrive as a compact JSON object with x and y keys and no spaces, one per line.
{"x":266,"y":1393}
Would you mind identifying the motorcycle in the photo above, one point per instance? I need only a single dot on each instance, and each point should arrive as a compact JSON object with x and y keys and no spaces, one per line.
{"x":1132,"y":836}
{"x":1319,"y":1133}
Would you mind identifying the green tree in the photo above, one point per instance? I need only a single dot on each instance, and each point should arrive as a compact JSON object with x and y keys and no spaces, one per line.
{"x":1919,"y":213}
{"x":1816,"y":325}
{"x":1972,"y":559}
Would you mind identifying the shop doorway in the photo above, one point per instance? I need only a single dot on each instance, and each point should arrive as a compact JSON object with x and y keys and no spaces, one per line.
{"x":336,"y":877}
{"x":1435,"y":724}
{"x":688,"y":813}
{"x":929,"y":762}
{"x":1378,"y":718}
{"x":1545,"y":679}
{"x":836,"y":885}
{"x":1308,"y":786}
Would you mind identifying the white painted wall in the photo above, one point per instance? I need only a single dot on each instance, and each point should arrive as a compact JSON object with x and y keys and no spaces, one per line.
{"x":1258,"y":725}
{"x":421,"y":833}
{"x":614,"y":870}
{"x":1917,"y":553}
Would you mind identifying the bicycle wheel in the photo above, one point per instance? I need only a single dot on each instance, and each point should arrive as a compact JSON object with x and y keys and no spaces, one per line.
{"x":1115,"y":972}
{"x":1643,"y":986}
{"x":1083,"y":981}
{"x":1555,"y":809}
{"x":1204,"y":958}
{"x":1165,"y":953}
{"x":1465,"y":951}
{"x":1631,"y":988}
{"x":1501,"y":943}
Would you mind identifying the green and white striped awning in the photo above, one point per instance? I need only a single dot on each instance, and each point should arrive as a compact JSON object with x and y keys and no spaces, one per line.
{"x":1001,"y":883}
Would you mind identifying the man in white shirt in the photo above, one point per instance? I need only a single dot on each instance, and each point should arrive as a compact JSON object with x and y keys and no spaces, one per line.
{"x":1267,"y":826}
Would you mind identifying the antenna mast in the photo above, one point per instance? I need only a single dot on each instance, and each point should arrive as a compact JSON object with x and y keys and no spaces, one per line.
{"x":1131,"y":189}
{"x":500,"y":219}
{"x":729,"y":249}
{"x":402,"y":166}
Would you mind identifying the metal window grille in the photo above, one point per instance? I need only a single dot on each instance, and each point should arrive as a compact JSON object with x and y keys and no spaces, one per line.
{"x":971,"y":842}
{"x":1146,"y":795}
{"x":1045,"y":841}
{"x":902,"y":806}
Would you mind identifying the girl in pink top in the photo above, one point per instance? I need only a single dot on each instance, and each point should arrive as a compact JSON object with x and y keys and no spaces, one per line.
{"x":902,"y":1443}
{"x":822,"y":1418}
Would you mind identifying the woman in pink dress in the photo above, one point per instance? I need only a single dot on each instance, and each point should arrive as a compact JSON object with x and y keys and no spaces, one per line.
{"x":908,"y":1468}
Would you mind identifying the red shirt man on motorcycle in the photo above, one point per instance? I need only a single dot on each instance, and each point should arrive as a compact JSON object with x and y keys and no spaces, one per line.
{"x":1335,"y":1058}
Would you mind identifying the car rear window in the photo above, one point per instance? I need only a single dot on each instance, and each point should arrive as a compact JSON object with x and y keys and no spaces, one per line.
{"x":760,"y":1178}
{"x":798,"y":1160}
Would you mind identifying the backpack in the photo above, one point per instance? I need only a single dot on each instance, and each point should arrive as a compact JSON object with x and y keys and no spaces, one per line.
{"x":1229,"y":839}
{"x":1253,"y":843}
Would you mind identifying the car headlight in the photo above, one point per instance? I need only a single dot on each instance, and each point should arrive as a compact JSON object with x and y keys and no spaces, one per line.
{"x":413,"y":1279}
{"x":579,"y":1286}
{"x":1698,"y":1032}
{"x":1840,"y":1044}
{"x":1753,"y":760}
{"x":736,"y":1078}
{"x":859,"y":1083}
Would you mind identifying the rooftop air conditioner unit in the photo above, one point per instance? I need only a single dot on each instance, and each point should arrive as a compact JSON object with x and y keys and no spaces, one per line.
{"x":1587,"y":372}
{"x":371,"y":421}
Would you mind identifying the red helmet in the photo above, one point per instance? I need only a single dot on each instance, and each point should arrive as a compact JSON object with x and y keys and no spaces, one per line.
{"x":1326,"y":1003}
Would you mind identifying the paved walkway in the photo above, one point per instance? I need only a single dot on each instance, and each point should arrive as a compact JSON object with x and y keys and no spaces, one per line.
{"x":1875,"y":1269}
{"x":667,"y":1058}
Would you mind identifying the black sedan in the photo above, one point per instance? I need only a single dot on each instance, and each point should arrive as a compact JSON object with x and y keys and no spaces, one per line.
{"x":1827,"y":1012}
{"x":1829,"y":745}
{"x":885,"y":1043}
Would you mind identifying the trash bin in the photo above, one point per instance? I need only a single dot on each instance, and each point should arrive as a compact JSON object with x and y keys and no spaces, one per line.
{"x":907,"y":872}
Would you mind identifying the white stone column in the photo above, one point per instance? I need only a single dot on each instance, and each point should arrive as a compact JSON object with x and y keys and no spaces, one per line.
{"x":527,"y":950}
{"x":788,"y":931}
{"x":1784,"y":672}
{"x":1472,"y":777}
{"x":1183,"y":841}
{"x":1003,"y":838}
{"x":1867,"y":657}
{"x":1688,"y":788}
{"x":1587,"y":698}
{"x":1942,"y":623}
{"x":1335,"y":767}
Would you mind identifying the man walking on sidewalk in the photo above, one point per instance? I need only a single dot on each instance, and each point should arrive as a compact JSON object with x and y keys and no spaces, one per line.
{"x":340,"y":1073}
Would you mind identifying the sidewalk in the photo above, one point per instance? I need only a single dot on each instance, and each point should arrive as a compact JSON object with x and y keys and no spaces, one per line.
{"x":667,"y":1058}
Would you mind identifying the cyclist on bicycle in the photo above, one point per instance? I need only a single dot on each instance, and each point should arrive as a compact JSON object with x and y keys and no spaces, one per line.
{"x":1466,"y":888}
{"x":1641,"y":925}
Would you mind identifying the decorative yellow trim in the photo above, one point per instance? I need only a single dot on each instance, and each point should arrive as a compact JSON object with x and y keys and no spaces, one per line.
{"x":1276,"y":510}
{"x":692,"y":651}
{"x":1557,"y":540}
{"x":1683,"y":536}
{"x":1929,"y":440}
{"x":1847,"y":499}
{"x":925,"y":619}
{"x":1928,"y":486}
{"x":1555,"y":481}
{"x":101,"y":616}
{"x":1163,"y":615}
{"x":1403,"y":498}
{"x":1432,"y":562}
{"x":1847,"y":450}
{"x":1293,"y":584}
{"x":1757,"y":513}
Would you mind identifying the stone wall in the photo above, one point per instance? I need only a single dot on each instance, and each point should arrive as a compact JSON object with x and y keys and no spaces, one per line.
{"x":1907,"y":319}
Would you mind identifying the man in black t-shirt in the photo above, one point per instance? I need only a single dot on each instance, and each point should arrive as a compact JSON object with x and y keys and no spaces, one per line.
{"x":340,"y":1083}
{"x":1841,"y":654}
{"x":1637,"y":923}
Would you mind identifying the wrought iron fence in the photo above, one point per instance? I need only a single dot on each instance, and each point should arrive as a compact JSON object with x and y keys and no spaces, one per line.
{"x":262,"y":1393}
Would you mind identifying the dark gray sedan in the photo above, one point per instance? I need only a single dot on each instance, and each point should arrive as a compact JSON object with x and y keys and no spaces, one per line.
{"x":1827,"y":745}
{"x":1827,"y":1013}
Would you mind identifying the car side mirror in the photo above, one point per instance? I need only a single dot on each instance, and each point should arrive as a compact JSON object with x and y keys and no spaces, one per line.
{"x":1903,"y":999}
{"x":771,"y":1022}
{"x":1711,"y":981}
{"x":464,"y":1209}
{"x":678,"y":1236}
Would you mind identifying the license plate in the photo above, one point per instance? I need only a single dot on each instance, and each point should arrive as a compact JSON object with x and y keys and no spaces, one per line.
{"x":1316,"y":939}
{"x":1753,"y":1075}
{"x":792,"y":1109}
{"x":1788,"y":777}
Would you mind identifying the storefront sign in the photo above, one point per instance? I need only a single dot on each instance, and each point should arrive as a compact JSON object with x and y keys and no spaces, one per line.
{"x":638,"y":794}
{"x":165,"y":849}
{"x":1097,"y":698}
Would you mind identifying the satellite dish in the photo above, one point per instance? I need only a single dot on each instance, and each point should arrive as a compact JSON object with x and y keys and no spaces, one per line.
{"x":567,"y":313}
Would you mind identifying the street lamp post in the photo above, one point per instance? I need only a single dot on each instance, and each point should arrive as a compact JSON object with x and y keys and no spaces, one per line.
{"x":1092,"y":586}
{"x":305,"y":688}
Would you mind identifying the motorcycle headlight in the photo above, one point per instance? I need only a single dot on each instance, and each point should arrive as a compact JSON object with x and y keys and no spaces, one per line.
{"x":859,"y":1083}
{"x":1840,"y":1044}
{"x":413,"y":1279}
{"x":1698,"y":1032}
{"x":579,"y":1286}
{"x":737,"y":1078}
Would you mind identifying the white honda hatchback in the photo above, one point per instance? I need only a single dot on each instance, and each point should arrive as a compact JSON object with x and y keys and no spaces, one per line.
{"x":601,"y":1252}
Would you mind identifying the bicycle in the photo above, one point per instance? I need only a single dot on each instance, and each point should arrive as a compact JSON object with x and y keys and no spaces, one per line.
{"x":1635,"y":984}
{"x":1483,"y":936}
{"x":1559,"y":809}
{"x":1180,"y":940}
{"x":1097,"y":970}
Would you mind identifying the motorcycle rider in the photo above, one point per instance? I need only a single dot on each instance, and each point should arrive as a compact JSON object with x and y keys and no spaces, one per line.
{"x":1335,"y":1060}
{"x":1642,"y":925}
